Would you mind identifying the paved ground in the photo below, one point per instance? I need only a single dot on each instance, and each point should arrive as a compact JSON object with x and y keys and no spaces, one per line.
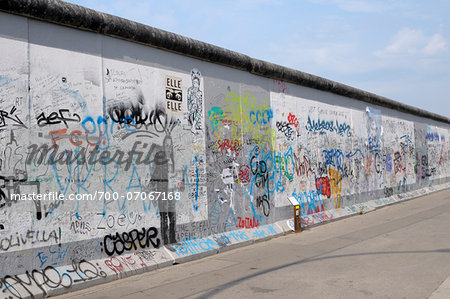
{"x":400,"y":251}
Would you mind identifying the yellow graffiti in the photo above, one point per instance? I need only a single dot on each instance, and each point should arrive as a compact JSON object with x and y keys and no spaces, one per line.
{"x":252,"y":117}
{"x":336,"y":187}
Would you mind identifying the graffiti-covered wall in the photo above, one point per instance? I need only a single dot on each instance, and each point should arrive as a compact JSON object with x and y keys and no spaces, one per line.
{"x":110,"y":147}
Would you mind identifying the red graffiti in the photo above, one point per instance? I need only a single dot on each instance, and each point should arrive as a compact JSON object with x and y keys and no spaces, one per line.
{"x":292,"y":119}
{"x":229,"y":122}
{"x":118,"y":263}
{"x":317,"y":209}
{"x":398,"y":168}
{"x":227,"y":146}
{"x":281,"y":86}
{"x":323,"y":186}
{"x":247,"y":222}
{"x":302,"y":167}
{"x":368,"y":167}
{"x":244,"y":174}
{"x":322,"y":217}
{"x":307,"y":221}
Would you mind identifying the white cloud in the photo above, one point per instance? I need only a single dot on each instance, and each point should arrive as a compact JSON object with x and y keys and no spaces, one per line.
{"x":329,"y":59}
{"x":405,"y":41}
{"x":358,"y":5}
{"x":436,"y":45}
{"x":413,"y":42}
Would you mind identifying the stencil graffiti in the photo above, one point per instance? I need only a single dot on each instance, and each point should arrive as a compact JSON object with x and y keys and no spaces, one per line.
{"x":195,"y":101}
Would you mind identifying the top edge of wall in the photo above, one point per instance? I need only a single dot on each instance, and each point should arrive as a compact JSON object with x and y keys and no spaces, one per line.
{"x":67,"y":14}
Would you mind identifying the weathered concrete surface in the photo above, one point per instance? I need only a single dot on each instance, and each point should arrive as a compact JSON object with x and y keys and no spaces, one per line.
{"x":76,"y":16}
{"x":401,"y":251}
{"x":443,"y":291}
{"x":109,"y":113}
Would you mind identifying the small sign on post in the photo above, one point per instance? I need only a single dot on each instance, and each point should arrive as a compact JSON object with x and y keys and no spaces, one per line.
{"x":297,"y":214}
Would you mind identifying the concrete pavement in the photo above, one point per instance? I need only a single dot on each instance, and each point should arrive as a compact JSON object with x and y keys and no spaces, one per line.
{"x":400,"y":251}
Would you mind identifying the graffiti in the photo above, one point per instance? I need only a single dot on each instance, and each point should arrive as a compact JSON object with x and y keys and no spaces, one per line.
{"x":335,"y":182}
{"x":132,"y":240}
{"x":432,"y":136}
{"x":243,"y":115}
{"x":133,"y":113}
{"x":186,"y":181}
{"x":215,"y":211}
{"x":263,"y":232}
{"x":353,"y":154}
{"x":271,"y":168}
{"x":12,"y":184}
{"x":174,"y":93}
{"x":194,"y":246}
{"x":54,"y":255}
{"x":134,"y":116}
{"x":259,"y":170}
{"x":285,"y":128}
{"x":406,"y":139}
{"x":127,"y":127}
{"x":401,"y":185}
{"x":8,"y":118}
{"x":80,"y":226}
{"x":230,"y":147}
{"x":120,"y":264}
{"x":49,"y":278}
{"x":368,"y":169}
{"x":373,"y":143}
{"x":323,"y":186}
{"x":199,"y":245}
{"x":195,"y":101}
{"x":398,"y":166}
{"x":260,"y":117}
{"x":388,"y":191}
{"x":347,"y":171}
{"x":244,"y":174}
{"x":310,"y":202}
{"x":280,"y":86}
{"x":62,"y":116}
{"x":247,"y":222}
{"x":292,"y":119}
{"x":262,"y":202}
{"x":222,"y":240}
{"x":29,"y":238}
{"x":216,"y":116}
{"x":425,"y":171}
{"x":388,"y":162}
{"x":373,"y":127}
{"x":320,"y":217}
{"x":322,"y":126}
{"x":159,"y":181}
{"x":377,"y":162}
{"x":121,"y":220}
{"x":333,"y":157}
{"x":303,"y":167}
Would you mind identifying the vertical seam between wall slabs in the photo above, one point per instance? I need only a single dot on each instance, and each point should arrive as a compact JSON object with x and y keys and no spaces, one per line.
{"x":102,"y":74}
{"x":28,"y":76}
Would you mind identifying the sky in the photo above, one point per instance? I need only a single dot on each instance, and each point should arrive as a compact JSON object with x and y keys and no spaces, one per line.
{"x":399,"y":49}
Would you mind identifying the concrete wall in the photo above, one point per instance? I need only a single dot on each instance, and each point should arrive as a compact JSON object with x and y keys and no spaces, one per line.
{"x":85,"y":113}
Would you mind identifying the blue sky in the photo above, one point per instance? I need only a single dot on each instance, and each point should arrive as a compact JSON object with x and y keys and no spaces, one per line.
{"x":399,"y":49}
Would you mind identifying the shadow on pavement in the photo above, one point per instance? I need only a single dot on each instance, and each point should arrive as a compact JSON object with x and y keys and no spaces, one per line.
{"x":232,"y":283}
